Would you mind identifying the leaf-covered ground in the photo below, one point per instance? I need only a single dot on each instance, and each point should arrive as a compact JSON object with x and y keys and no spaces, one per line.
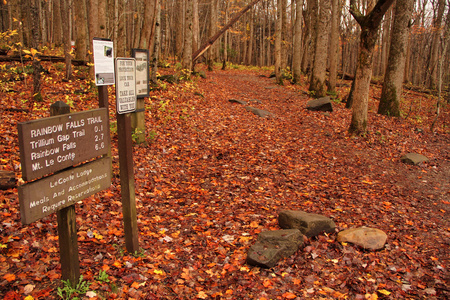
{"x":212,"y":175}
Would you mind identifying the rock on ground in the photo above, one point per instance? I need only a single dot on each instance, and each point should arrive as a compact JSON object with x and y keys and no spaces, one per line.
{"x":413,"y":158}
{"x":365,"y":237}
{"x":309,"y":224}
{"x":272,"y":246}
{"x":320,"y":104}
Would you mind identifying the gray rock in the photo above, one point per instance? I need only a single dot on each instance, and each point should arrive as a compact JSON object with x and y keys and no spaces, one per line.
{"x":413,"y":158}
{"x":237,"y":101}
{"x":320,"y":104}
{"x":309,"y":224}
{"x":365,"y":237}
{"x":259,"y":112}
{"x":272,"y":246}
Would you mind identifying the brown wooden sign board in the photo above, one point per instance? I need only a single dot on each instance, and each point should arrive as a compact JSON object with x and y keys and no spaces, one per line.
{"x":43,"y":197}
{"x":52,"y":144}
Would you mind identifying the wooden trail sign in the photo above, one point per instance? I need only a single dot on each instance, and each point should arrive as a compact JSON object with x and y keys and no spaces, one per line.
{"x":55,"y":143}
{"x":55,"y":192}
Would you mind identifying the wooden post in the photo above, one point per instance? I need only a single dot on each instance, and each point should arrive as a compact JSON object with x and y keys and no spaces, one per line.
{"x":138,"y":121}
{"x":125,"y":145}
{"x":67,"y":227}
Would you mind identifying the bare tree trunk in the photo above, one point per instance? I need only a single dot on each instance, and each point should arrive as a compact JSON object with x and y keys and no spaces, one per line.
{"x":212,"y":39}
{"x":278,"y":78}
{"x":65,"y":15}
{"x":317,"y":82}
{"x":188,"y":32}
{"x":393,"y":80}
{"x":102,"y":18}
{"x":81,"y":29}
{"x":212,"y":52}
{"x":334,"y":44}
{"x":250,"y":41}
{"x":297,"y":57}
{"x":195,"y":27}
{"x":57,"y":23}
{"x":148,"y":26}
{"x":284,"y":54}
{"x":37,"y":96}
{"x":370,"y":24}
{"x":155,"y":54}
{"x":434,"y":54}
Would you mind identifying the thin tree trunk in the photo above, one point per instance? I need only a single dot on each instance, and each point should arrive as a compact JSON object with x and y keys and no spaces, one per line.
{"x":65,"y":14}
{"x":334,"y":44}
{"x":393,"y":81}
{"x":155,"y":54}
{"x":297,"y":55}
{"x":35,"y":44}
{"x":81,"y":29}
{"x":278,"y":78}
{"x":434,"y":54}
{"x":212,"y":39}
{"x":187,"y":49}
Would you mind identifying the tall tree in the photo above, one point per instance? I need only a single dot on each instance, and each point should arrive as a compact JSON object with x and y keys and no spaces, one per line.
{"x":369,"y":24}
{"x":81,"y":29}
{"x":297,"y":55}
{"x":393,"y":80}
{"x":65,"y":15}
{"x":148,"y":26}
{"x":434,"y":50}
{"x":35,"y":44}
{"x":334,"y":44}
{"x":188,"y":32}
{"x":278,"y":49}
{"x":155,"y":54}
{"x":317,"y":82}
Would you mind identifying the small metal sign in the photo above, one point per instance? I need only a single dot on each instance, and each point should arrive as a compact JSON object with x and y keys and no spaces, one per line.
{"x":103,"y":61}
{"x":142,"y":80}
{"x":125,"y":85}
{"x":43,"y":197}
{"x":55,"y":143}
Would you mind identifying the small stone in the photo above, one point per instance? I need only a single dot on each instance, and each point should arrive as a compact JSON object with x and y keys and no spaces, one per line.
{"x":365,"y":237}
{"x":272,"y":246}
{"x":259,"y":112}
{"x":309,"y":224}
{"x":237,"y":101}
{"x":413,"y":158}
{"x":320,"y":104}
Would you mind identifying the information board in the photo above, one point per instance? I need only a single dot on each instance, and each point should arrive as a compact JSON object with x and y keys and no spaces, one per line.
{"x":48,"y":195}
{"x":103,"y":51}
{"x":125,"y":85}
{"x":55,"y":143}
{"x":142,"y":82}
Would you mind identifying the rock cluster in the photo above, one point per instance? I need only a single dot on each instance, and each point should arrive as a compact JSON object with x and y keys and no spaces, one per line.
{"x":274,"y":245}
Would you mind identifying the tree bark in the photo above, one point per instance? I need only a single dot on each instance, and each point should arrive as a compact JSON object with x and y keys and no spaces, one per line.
{"x":297,"y":55}
{"x":434,"y":54}
{"x":370,"y":24}
{"x":317,"y":83}
{"x":393,"y":80}
{"x":155,"y":54}
{"x":187,"y":49}
{"x":278,"y":78}
{"x":334,"y":44}
{"x":65,"y":15}
{"x":81,"y":29}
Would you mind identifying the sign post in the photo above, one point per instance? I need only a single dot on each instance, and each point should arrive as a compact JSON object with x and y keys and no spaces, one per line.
{"x":126,"y":103}
{"x":142,"y":90}
{"x":57,"y":143}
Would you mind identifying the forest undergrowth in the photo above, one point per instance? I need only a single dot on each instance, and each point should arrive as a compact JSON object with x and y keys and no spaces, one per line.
{"x":211,"y":176}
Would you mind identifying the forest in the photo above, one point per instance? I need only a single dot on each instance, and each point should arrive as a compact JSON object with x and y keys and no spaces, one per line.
{"x":211,"y":175}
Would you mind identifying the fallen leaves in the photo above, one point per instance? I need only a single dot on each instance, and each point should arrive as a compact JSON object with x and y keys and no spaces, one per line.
{"x":208,"y":183}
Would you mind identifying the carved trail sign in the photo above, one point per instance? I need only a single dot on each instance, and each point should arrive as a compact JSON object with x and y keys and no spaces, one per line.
{"x":50,"y":194}
{"x":55,"y":143}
